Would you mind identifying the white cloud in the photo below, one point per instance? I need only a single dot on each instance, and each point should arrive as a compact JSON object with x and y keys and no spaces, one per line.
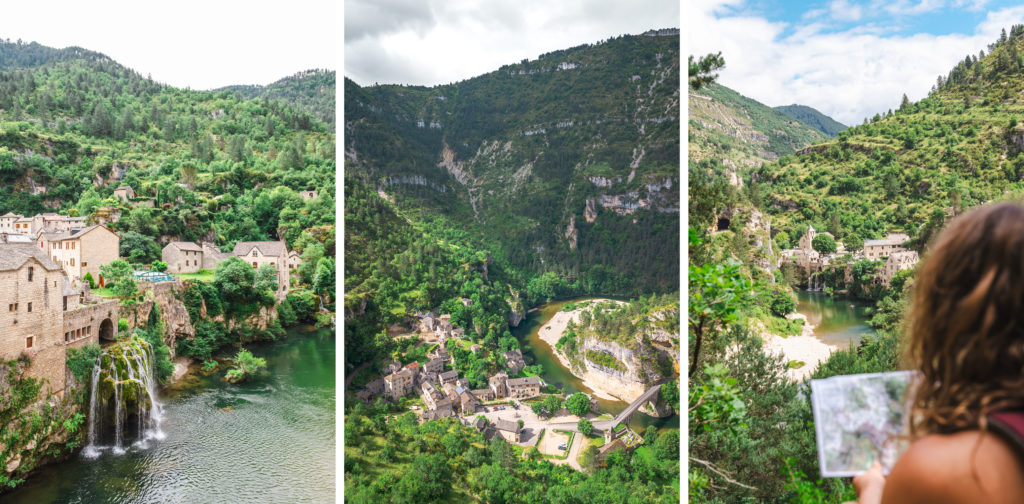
{"x":908,"y":8}
{"x":428,"y":42}
{"x":971,"y":5}
{"x":847,"y":75}
{"x":843,"y":10}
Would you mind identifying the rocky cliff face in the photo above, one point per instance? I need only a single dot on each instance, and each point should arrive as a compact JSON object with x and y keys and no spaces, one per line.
{"x":166,"y":297}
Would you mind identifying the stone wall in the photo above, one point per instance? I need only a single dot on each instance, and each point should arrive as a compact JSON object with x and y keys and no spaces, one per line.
{"x":84,"y":324}
{"x":43,"y":324}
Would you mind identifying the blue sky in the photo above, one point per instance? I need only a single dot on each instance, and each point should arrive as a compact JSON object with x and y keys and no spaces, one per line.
{"x":846,"y":58}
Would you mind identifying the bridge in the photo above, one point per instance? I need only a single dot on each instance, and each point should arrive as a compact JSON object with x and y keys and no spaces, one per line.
{"x":650,"y":395}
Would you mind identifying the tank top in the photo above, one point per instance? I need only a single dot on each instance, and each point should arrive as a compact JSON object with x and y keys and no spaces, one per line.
{"x":1009,"y":423}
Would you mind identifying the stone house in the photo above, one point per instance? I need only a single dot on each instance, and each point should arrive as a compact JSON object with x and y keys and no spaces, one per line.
{"x":484,"y":394}
{"x":124,"y":193}
{"x":521,"y":388}
{"x":893,"y":242}
{"x":434,"y":399}
{"x":84,"y":251}
{"x":414,"y":368}
{"x":444,"y":323}
{"x":182,"y":257}
{"x":29,"y":225}
{"x":294,"y":259}
{"x":468,"y":402}
{"x":475,"y":348}
{"x":397,"y":385}
{"x":498,"y":385}
{"x":899,"y":260}
{"x":428,"y":324}
{"x":7,"y":221}
{"x":392,"y":367}
{"x":55,"y":222}
{"x":376,"y":386}
{"x":274,"y":253}
{"x":212,"y":256}
{"x":514,"y":361}
{"x":509,"y":428}
{"x":41,"y":315}
{"x":308,"y":195}
{"x":448,"y":377}
{"x":435,"y":365}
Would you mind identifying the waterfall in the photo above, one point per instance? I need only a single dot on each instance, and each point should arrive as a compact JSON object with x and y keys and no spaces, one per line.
{"x":138,"y":358}
{"x":90,"y":449}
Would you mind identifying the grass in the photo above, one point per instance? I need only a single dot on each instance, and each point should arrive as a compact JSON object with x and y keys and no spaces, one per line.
{"x":205,"y":277}
{"x":568,"y":445}
{"x":785,"y":327}
{"x":795,"y":364}
{"x":103,"y":292}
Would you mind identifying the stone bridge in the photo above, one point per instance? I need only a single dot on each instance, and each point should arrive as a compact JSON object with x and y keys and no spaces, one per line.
{"x":606,"y":426}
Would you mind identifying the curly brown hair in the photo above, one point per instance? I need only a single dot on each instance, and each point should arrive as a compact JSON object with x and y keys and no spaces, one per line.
{"x":966,"y":324}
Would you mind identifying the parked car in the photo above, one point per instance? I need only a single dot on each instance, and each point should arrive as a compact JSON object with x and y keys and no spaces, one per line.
{"x":495,"y":408}
{"x":562,"y":446}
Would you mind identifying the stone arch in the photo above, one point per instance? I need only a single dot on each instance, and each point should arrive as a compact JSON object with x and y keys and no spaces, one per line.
{"x":108,"y":331}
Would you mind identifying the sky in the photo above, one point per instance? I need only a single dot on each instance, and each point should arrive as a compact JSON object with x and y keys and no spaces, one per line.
{"x":188,"y":43}
{"x":850,"y":59}
{"x":430,"y":42}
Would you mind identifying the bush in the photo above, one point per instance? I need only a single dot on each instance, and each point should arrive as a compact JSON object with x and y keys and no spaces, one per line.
{"x":89,"y":280}
{"x":81,"y":361}
{"x":209,"y":365}
{"x":286,"y":314}
{"x":245,"y":366}
{"x":302,"y":305}
{"x":585,"y":426}
{"x":782,"y":302}
{"x":824,"y":244}
{"x":578,"y":404}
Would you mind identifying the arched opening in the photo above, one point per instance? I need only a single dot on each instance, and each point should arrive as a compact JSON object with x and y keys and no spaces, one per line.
{"x":107,"y":330}
{"x":723,"y":224}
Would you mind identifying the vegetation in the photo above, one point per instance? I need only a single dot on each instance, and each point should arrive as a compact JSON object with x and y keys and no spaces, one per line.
{"x":400,"y":460}
{"x":585,"y":426}
{"x":578,"y":404}
{"x":246,"y":365}
{"x":813,"y":118}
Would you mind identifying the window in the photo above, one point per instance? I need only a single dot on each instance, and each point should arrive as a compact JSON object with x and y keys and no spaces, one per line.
{"x":31,"y":270}
{"x":67,"y":337}
{"x":30,"y":307}
{"x":65,"y":303}
{"x":12,"y":307}
{"x":254,"y":264}
{"x":84,"y":264}
{"x":72,"y":261}
{"x":28,"y":342}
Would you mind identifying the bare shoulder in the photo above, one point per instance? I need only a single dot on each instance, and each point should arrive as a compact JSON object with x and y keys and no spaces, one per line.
{"x":965,"y":467}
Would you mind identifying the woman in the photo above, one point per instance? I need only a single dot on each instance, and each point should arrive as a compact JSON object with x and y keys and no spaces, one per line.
{"x":966,"y":337}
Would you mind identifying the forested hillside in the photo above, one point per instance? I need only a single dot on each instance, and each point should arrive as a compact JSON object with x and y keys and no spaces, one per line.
{"x":909,"y":170}
{"x":566,"y":164}
{"x":739,"y":132}
{"x":75,"y":125}
{"x":311,"y":91}
{"x":813,"y":118}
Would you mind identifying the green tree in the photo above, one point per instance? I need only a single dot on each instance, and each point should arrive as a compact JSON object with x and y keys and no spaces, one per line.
{"x":120,"y":278}
{"x":717,"y":291}
{"x":703,"y":71}
{"x":585,"y":426}
{"x":824,"y":244}
{"x":782,"y":302}
{"x":578,"y":404}
{"x":245,"y":366}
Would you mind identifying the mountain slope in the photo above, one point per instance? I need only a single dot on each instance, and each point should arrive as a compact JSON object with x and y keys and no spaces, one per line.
{"x":741,"y":132}
{"x":813,"y":118}
{"x":311,"y":91}
{"x":566,"y":164}
{"x":955,"y":149}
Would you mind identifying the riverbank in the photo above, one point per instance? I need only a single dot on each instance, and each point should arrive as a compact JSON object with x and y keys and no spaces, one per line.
{"x":805,"y":348}
{"x":555,"y":328}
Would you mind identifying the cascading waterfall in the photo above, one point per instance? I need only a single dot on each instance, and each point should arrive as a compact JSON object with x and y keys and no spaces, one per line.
{"x":125,"y":373}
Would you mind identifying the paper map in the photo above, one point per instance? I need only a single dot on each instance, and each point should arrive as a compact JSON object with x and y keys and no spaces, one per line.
{"x":857,"y":419}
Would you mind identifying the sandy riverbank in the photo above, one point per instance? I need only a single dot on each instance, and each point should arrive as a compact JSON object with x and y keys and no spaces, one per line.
{"x":553,"y":330}
{"x":805,"y":348}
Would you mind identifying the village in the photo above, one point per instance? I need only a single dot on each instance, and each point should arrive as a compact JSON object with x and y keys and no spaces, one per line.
{"x":810,"y":261}
{"x":50,"y":270}
{"x":497,"y":411}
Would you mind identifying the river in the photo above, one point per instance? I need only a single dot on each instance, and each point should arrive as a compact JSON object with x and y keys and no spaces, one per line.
{"x":271,"y":439}
{"x":528,"y":334}
{"x":837,"y":321}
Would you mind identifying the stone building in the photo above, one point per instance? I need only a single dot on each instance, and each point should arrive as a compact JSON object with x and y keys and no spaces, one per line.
{"x":274,"y":253}
{"x":212,"y":256}
{"x":7,"y":221}
{"x":509,"y":428}
{"x":514,"y":361}
{"x":124,"y":193}
{"x":497,"y":384}
{"x":434,"y":399}
{"x":294,"y":259}
{"x":435,"y":365}
{"x":448,"y":377}
{"x":397,"y":385}
{"x":893,"y":242}
{"x":521,"y":388}
{"x":41,"y":314}
{"x":899,"y":260}
{"x":84,"y":251}
{"x":484,"y":394}
{"x":468,"y":402}
{"x":182,"y":257}
{"x":308,"y":195}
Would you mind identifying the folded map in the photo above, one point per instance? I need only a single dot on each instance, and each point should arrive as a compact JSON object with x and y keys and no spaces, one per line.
{"x":859,"y":419}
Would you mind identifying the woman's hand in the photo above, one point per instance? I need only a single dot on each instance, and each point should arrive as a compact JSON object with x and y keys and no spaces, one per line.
{"x":869,"y":485}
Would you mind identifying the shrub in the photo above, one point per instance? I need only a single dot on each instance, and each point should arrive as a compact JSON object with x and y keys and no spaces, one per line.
{"x":245,"y":366}
{"x":578,"y":404}
{"x":89,"y":280}
{"x":81,"y":361}
{"x":585,"y":426}
{"x":159,"y":266}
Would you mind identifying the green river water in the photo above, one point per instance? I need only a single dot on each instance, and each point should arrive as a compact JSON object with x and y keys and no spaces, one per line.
{"x":558,"y":375}
{"x":271,"y":439}
{"x":837,"y":320}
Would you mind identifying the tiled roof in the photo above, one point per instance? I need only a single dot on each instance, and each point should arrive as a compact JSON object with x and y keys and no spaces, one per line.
{"x":507,"y":425}
{"x":267,"y":248}
{"x":14,"y":255}
{"x":529,"y":380}
{"x":183,"y":245}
